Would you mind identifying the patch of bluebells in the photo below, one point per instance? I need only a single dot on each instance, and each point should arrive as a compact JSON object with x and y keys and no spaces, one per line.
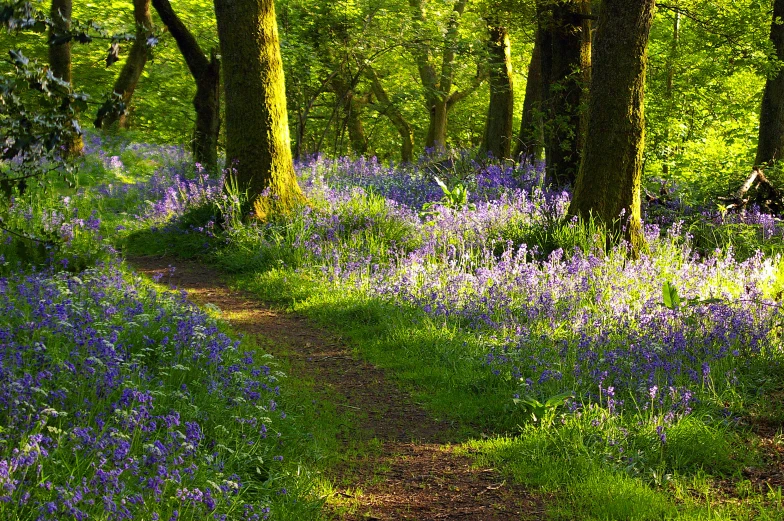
{"x":583,"y":321}
{"x":119,"y":402}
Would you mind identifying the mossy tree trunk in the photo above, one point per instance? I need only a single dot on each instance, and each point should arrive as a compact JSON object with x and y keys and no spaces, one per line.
{"x":497,"y":138}
{"x":608,"y":186}
{"x":258,"y":146}
{"x":530,"y":140}
{"x":206,"y":73}
{"x":133,"y":67}
{"x":564,"y":38}
{"x":60,"y":58}
{"x":770,"y":146}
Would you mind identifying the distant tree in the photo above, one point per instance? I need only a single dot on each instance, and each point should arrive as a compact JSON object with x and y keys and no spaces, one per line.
{"x":770,"y":146}
{"x":565,"y":43}
{"x":530,"y":139}
{"x":60,"y":59}
{"x":257,"y":131}
{"x":386,"y":107}
{"x":608,"y":186}
{"x":438,"y":82}
{"x":132,"y":69}
{"x":206,"y":73}
{"x":497,"y":138}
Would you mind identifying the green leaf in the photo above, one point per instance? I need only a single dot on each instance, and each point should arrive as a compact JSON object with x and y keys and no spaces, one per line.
{"x":670,"y":294}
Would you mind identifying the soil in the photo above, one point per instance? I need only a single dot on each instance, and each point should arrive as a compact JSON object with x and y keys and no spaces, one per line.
{"x":416,"y":474}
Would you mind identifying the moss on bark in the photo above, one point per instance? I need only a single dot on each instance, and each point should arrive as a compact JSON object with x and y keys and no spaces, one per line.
{"x":498,"y":129}
{"x":258,"y":145}
{"x":608,"y":186}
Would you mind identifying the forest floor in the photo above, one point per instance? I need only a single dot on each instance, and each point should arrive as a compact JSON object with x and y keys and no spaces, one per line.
{"x":410,"y":468}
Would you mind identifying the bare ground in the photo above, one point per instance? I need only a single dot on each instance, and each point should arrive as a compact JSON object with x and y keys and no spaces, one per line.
{"x":416,"y":474}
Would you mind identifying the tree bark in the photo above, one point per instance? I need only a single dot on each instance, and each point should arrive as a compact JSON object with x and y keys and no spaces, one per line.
{"x":608,"y":186}
{"x":258,"y":146}
{"x":60,"y":59}
{"x":129,"y":76}
{"x":498,"y":129}
{"x":530,"y":140}
{"x":391,"y":111}
{"x":770,"y":146}
{"x":206,"y":73}
{"x":564,"y":37}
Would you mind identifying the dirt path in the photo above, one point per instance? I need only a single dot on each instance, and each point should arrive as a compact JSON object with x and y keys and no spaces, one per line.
{"x":416,"y":473}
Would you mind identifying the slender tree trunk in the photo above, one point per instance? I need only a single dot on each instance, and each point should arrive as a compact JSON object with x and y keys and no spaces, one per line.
{"x":439,"y":120}
{"x":564,"y":37}
{"x":770,"y":147}
{"x":129,"y":76}
{"x":669,"y":87}
{"x":388,"y":109}
{"x":60,"y":60}
{"x":356,"y":130}
{"x":498,"y":130}
{"x":531,"y":137}
{"x":352,"y":107}
{"x":438,"y":84}
{"x":608,"y":186}
{"x":258,"y":146}
{"x":206,"y":73}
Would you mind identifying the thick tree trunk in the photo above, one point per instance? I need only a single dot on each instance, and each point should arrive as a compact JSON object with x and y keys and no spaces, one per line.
{"x":564,"y":37}
{"x":129,"y":76}
{"x":60,"y":59}
{"x":770,"y":147}
{"x":498,"y":129}
{"x":608,"y":186}
{"x":389,"y":109}
{"x":530,"y":140}
{"x":258,"y":146}
{"x":206,"y":73}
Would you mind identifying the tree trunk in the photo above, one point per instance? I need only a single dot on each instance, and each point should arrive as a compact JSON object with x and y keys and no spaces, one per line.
{"x":343,"y":87}
{"x":388,"y":109}
{"x":60,"y":60}
{"x":356,"y":130}
{"x":498,"y":130}
{"x":129,"y":76}
{"x":669,"y":89}
{"x":438,"y":85}
{"x":439,"y":120}
{"x":206,"y":73}
{"x":258,"y":146}
{"x":608,"y":186}
{"x":771,"y":129}
{"x":531,"y":138}
{"x":564,"y":37}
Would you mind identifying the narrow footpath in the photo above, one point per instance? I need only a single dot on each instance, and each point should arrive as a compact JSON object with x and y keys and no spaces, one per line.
{"x":415,"y":474}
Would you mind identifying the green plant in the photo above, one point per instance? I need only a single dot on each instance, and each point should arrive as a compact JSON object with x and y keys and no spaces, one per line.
{"x":543,"y":413}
